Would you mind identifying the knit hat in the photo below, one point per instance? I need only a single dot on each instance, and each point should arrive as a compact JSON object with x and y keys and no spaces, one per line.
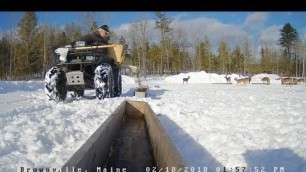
{"x":105,"y":27}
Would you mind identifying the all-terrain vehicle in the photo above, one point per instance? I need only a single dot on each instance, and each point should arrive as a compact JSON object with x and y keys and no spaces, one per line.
{"x":85,"y":67}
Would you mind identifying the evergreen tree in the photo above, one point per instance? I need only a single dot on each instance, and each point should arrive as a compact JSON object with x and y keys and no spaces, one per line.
{"x":154,"y":54}
{"x":246,"y":53}
{"x":207,"y":55}
{"x":265,"y":59}
{"x":223,"y":56}
{"x":237,"y":60}
{"x":4,"y":58}
{"x":27,"y":33}
{"x":72,"y":32}
{"x":162,"y":23}
{"x":199,"y":57}
{"x":289,"y":38}
{"x":62,"y":39}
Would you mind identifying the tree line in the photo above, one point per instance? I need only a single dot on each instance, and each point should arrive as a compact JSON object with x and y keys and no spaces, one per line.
{"x":27,"y":51}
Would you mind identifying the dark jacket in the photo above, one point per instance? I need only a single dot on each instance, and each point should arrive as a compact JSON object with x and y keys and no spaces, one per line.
{"x":94,"y":39}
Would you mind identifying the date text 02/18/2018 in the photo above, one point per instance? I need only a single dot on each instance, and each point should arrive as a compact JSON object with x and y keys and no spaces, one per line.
{"x":217,"y":169}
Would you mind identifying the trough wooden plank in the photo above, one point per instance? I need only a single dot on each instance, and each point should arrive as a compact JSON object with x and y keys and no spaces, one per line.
{"x":165,"y":152}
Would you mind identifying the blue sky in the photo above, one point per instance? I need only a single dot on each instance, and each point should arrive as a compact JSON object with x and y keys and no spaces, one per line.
{"x":297,"y":19}
{"x":259,"y":26}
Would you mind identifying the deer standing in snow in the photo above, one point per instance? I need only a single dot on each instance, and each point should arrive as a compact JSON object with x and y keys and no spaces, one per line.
{"x":242,"y":81}
{"x":301,"y":81}
{"x":286,"y":81}
{"x":266,"y":79}
{"x":186,"y":80}
{"x":228,"y":79}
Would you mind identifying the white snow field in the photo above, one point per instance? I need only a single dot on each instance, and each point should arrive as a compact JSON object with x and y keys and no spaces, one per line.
{"x":215,"y":126}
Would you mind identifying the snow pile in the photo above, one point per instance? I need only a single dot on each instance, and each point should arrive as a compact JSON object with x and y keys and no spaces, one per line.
{"x":273,"y":78}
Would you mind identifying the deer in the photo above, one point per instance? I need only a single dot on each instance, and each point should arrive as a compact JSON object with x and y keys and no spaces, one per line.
{"x":249,"y":78}
{"x":228,"y":79}
{"x":295,"y":81}
{"x":242,"y":81}
{"x":286,"y":81}
{"x":186,"y":80}
{"x":301,"y":81}
{"x":266,"y":79}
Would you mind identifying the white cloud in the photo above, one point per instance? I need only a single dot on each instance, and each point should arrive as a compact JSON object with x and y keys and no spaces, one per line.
{"x":62,"y":27}
{"x":180,"y":15}
{"x":271,"y":34}
{"x":122,"y":27}
{"x":269,"y":37}
{"x":123,"y":30}
{"x":214,"y":29}
{"x":255,"y":21}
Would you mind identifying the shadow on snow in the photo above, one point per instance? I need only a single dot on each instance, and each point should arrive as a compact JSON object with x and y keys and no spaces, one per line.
{"x":194,"y":153}
{"x":274,"y":160}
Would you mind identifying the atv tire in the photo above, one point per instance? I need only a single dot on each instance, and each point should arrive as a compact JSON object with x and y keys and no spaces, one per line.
{"x":56,"y":84}
{"x":104,"y":81}
{"x":118,"y":89}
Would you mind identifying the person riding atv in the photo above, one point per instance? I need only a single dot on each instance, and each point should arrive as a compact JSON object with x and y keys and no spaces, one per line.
{"x":99,"y":37}
{"x":88,"y":63}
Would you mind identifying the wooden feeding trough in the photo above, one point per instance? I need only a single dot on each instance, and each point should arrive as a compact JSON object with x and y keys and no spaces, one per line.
{"x":141,"y":91}
{"x":131,"y":139}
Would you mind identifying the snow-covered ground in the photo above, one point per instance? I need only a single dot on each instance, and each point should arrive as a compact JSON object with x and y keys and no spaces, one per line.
{"x":256,"y":126}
